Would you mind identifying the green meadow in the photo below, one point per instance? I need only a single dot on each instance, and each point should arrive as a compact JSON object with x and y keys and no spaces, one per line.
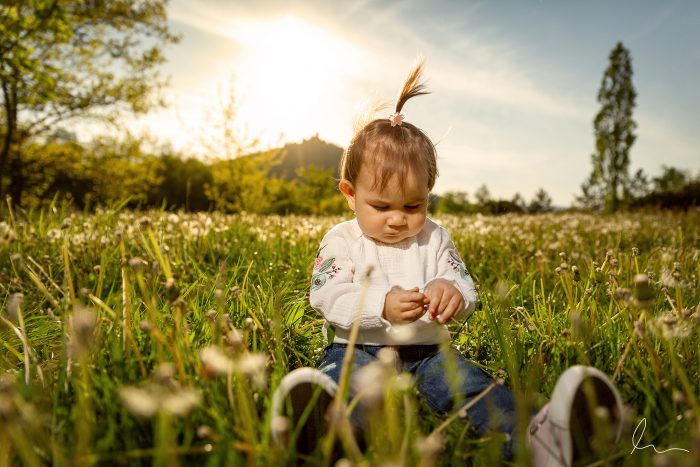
{"x":156,"y":338}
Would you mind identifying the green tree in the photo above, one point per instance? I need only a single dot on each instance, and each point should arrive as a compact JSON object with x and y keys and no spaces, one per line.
{"x":122,"y":169}
{"x":63,"y":60}
{"x":482,"y":196}
{"x":671,"y":179}
{"x":183,"y":182}
{"x":453,"y":202}
{"x":542,"y":202}
{"x":614,"y":129}
{"x":639,"y":184}
{"x":318,"y":193}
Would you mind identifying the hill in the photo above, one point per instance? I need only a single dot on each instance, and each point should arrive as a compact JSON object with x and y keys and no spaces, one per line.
{"x":313,"y":151}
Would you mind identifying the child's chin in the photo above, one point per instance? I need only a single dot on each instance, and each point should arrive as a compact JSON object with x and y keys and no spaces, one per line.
{"x":390,"y":239}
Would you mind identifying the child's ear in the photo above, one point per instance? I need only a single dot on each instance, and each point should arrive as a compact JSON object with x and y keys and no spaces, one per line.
{"x":348,"y":191}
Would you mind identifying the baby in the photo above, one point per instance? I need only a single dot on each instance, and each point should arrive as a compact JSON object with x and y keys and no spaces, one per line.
{"x":402,"y":273}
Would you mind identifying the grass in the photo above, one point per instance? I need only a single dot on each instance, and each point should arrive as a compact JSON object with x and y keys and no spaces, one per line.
{"x":157,"y":338}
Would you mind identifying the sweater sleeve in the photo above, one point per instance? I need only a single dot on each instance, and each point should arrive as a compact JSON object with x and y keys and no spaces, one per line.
{"x":451,"y":268}
{"x":334,"y":293}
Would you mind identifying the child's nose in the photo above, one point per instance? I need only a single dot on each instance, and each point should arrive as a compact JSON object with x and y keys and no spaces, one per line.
{"x":397,"y":218}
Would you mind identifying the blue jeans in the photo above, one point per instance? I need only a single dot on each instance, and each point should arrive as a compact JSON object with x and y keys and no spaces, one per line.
{"x":427,"y":364}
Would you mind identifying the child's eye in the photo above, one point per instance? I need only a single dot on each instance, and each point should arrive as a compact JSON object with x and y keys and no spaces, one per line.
{"x":411,"y":207}
{"x":380,"y":208}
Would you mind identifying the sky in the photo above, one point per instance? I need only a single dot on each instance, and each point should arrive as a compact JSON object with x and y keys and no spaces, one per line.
{"x":513,"y":83}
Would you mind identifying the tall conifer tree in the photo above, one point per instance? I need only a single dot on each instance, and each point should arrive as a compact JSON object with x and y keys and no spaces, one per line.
{"x":614,"y":129}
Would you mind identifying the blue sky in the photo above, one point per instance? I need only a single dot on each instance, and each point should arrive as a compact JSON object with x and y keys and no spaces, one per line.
{"x":514,"y":83}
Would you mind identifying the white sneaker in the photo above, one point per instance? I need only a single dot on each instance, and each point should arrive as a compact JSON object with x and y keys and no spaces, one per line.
{"x":299,"y":407}
{"x":582,"y":417}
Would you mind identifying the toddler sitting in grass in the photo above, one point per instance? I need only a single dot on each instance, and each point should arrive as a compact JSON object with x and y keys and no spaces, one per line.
{"x":402,"y":274}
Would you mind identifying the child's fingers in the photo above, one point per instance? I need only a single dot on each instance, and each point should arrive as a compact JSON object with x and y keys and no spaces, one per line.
{"x":444,"y":302}
{"x":412,"y":314}
{"x":435,"y":296}
{"x":451,"y":309}
{"x":411,"y":296}
{"x":408,"y":306}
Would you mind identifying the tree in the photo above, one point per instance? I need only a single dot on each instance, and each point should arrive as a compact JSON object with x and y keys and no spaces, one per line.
{"x":639,"y":185}
{"x":519,"y":202}
{"x":453,"y":202}
{"x":482,"y":196}
{"x":62,"y":60}
{"x":542,"y":202}
{"x":671,"y":179}
{"x":614,"y":135}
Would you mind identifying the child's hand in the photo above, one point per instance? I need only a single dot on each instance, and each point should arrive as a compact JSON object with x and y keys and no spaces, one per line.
{"x":404,"y":306}
{"x":445,"y":300}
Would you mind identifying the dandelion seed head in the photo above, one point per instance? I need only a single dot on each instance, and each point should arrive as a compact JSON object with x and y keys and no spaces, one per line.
{"x":678,"y":397}
{"x":249,"y":324}
{"x":669,"y":327}
{"x":83,"y":324}
{"x":139,"y":402}
{"x":204,"y":432}
{"x":180,"y":403}
{"x":164,"y":375}
{"x":431,"y":446}
{"x":14,"y":306}
{"x":370,"y":383}
{"x":669,"y":279}
{"x":215,"y":361}
{"x":387,"y":356}
{"x":137,"y":263}
{"x":7,"y":233}
{"x":253,"y":365}
{"x":404,"y":334}
{"x":144,"y":222}
{"x":234,"y":338}
{"x":622,"y":293}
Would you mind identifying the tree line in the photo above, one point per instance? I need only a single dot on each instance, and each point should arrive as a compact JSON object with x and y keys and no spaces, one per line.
{"x":128,"y":171}
{"x":68,"y":61}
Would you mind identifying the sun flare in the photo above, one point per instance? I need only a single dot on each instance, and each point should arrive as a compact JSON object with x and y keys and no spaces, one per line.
{"x":290,"y":74}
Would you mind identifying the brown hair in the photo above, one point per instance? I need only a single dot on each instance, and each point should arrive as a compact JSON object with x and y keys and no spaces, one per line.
{"x":393,"y":151}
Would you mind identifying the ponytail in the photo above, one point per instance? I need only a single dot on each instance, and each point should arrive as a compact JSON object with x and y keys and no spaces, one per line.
{"x":412,"y":87}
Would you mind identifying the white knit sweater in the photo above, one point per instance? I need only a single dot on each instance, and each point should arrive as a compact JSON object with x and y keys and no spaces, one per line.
{"x":346,"y":256}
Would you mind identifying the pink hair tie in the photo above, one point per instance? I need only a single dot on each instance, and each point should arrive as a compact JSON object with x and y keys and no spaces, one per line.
{"x":396,"y":119}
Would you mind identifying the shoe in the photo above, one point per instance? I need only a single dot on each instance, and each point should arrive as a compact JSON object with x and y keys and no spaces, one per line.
{"x":299,"y":407}
{"x":582,"y":418}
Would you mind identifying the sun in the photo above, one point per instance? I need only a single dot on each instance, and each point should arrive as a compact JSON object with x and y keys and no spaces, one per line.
{"x":289,"y":76}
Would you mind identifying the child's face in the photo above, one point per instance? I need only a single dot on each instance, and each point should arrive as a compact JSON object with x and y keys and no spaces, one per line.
{"x":392,"y":214}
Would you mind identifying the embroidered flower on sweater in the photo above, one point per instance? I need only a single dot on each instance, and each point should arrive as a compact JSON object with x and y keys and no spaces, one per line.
{"x":456,"y":262}
{"x":324,"y":269}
